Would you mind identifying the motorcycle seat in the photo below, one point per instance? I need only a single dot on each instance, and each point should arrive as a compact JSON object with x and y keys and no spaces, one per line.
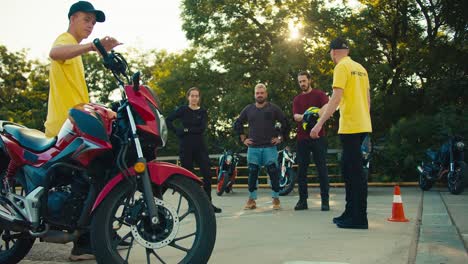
{"x":31,"y":139}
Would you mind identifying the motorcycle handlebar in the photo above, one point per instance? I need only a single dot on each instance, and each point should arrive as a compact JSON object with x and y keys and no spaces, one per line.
{"x":100,"y":48}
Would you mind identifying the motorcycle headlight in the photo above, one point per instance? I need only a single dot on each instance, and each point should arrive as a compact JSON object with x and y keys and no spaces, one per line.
{"x":228,"y":159}
{"x":460,"y":145}
{"x":163,"y":132}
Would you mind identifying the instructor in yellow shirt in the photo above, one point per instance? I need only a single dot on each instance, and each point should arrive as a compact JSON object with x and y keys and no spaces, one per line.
{"x":351,"y":94}
{"x":67,"y":83}
{"x":67,"y":80}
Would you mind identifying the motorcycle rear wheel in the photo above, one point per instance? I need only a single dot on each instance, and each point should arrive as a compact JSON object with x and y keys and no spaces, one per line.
{"x":291,"y":180}
{"x":186,"y":232}
{"x":14,"y":246}
{"x":456,"y":179}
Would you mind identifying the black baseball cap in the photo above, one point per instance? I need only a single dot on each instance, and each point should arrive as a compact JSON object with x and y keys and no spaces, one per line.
{"x":339,"y":43}
{"x":87,"y":7}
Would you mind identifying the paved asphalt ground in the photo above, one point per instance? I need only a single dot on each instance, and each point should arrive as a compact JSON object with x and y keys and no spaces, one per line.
{"x":437,"y":232}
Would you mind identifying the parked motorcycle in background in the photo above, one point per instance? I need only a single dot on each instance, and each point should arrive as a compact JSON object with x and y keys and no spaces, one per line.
{"x":366,"y":149}
{"x":288,"y":177}
{"x":447,"y":162}
{"x":226,"y":171}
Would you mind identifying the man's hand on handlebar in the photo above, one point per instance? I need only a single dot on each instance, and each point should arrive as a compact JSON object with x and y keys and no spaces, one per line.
{"x":109,"y":43}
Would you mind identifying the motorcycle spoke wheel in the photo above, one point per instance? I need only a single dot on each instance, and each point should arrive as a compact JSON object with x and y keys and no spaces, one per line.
{"x":288,"y":185}
{"x":7,"y":239}
{"x":455,"y":180}
{"x":185,"y":234}
{"x":13,"y":246}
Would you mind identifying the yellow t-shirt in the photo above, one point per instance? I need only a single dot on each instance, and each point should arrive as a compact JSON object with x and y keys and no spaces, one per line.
{"x":67,"y":87}
{"x":354,"y":106}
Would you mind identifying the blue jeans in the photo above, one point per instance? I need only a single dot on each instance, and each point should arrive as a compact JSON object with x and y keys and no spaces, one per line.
{"x":267,"y":157}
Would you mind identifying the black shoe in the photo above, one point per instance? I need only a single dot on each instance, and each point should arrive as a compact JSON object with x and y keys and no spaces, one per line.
{"x":325,"y":205}
{"x":349,"y":223}
{"x":216,"y":209}
{"x":340,"y":218}
{"x":301,"y":205}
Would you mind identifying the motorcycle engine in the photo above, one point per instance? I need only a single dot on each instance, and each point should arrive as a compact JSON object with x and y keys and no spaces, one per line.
{"x":430,"y":171}
{"x":64,"y":206}
{"x":72,"y":210}
{"x":56,"y":200}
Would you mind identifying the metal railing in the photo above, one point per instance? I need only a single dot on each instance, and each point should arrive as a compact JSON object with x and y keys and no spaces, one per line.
{"x":333,"y":158}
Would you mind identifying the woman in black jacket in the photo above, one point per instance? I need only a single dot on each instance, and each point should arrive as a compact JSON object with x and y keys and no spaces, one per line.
{"x":192,"y":147}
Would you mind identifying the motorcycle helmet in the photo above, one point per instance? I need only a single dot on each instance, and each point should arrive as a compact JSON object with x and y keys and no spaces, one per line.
{"x":310,"y":118}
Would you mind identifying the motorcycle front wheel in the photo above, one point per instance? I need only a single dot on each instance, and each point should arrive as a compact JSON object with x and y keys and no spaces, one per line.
{"x":287,"y":182}
{"x":455,"y":179}
{"x":186,"y":233}
{"x":222,"y":184}
{"x":424,"y":183}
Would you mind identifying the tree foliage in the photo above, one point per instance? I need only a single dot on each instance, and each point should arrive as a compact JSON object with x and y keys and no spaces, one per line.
{"x":23,"y":89}
{"x":414,"y":51}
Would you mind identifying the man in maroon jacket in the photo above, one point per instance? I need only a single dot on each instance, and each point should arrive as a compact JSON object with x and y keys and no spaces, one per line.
{"x":305,"y":144}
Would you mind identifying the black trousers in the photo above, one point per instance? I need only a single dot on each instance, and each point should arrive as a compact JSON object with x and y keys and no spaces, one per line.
{"x":190,"y":153}
{"x":318,"y":147}
{"x":354,"y":178}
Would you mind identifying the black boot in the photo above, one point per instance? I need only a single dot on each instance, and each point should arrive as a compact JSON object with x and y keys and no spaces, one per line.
{"x":344,"y":215}
{"x":325,"y":205}
{"x":216,"y":209}
{"x":301,"y":205}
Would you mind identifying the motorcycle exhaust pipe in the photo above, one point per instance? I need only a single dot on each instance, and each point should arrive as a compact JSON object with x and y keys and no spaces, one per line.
{"x":59,"y":237}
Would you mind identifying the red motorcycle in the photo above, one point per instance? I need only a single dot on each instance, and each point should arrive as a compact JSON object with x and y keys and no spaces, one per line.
{"x":94,"y":178}
{"x":226,"y":171}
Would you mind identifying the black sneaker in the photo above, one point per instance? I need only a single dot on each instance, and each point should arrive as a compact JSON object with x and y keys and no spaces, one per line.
{"x":349,"y":223}
{"x":81,"y":253}
{"x":325,"y":205}
{"x":340,"y":218}
{"x":216,"y":209}
{"x":301,"y":205}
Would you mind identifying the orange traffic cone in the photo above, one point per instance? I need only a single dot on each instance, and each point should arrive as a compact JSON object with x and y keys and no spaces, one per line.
{"x":398,"y":215}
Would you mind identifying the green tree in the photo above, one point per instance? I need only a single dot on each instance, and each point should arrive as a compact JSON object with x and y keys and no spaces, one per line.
{"x":247,"y":42}
{"x":23,"y":89}
{"x":99,"y":80}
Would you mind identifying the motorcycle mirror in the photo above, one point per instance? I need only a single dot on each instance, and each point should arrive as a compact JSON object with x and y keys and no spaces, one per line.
{"x":136,"y":81}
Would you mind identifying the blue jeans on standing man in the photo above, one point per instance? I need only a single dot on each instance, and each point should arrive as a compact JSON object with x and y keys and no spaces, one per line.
{"x":267,"y":157}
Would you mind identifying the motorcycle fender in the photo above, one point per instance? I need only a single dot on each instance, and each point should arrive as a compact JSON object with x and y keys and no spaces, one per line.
{"x":159,"y":172}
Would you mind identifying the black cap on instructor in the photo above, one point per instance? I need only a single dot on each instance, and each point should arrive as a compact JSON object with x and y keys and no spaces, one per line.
{"x":87,"y":7}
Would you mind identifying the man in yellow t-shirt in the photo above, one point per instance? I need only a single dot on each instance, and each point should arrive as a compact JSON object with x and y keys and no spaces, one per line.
{"x":67,"y":83}
{"x":351,"y":94}
{"x":67,"y":80}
